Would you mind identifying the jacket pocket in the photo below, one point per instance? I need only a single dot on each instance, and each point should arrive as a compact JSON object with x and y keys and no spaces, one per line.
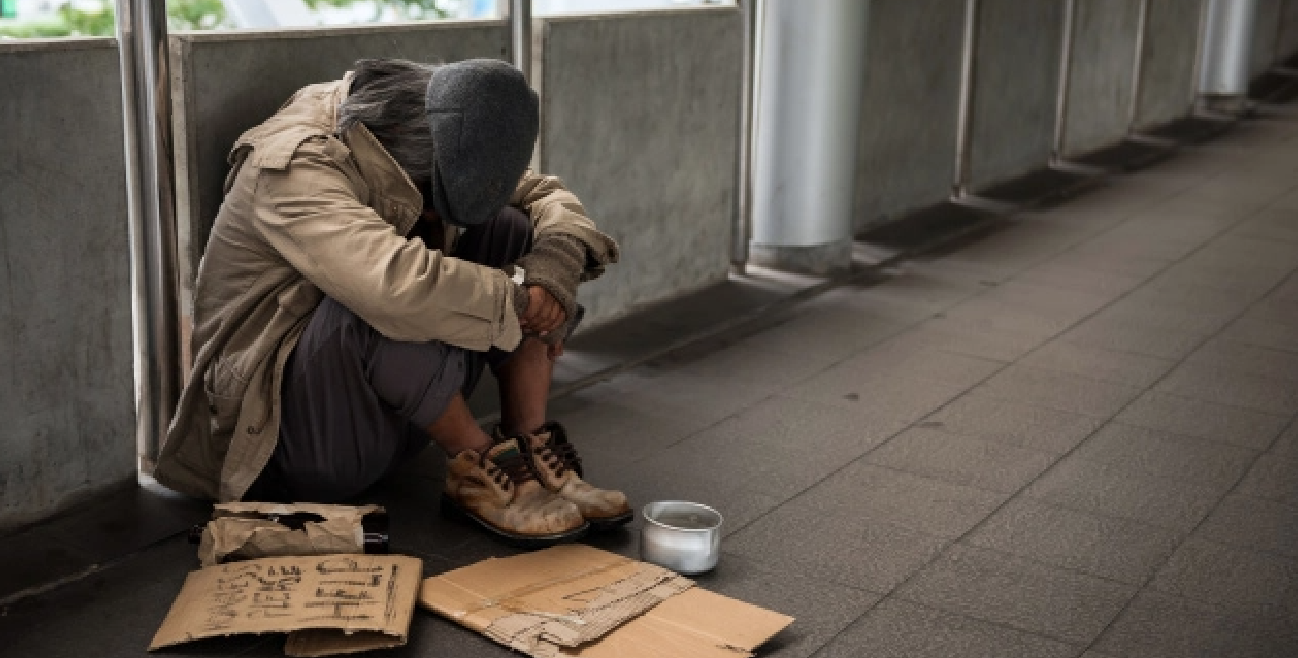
{"x":300,"y":299}
{"x":224,"y":392}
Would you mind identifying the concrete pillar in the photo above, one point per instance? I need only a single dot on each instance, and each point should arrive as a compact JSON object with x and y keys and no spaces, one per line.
{"x":811,"y":76}
{"x":1227,"y":51}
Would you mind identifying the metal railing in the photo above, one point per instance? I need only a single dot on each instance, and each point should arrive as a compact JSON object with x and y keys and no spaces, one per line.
{"x":520,"y":35}
{"x":742,"y":229}
{"x":150,"y":178}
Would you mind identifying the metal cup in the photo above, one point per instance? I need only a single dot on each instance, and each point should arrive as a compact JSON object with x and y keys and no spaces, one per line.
{"x":681,"y":536}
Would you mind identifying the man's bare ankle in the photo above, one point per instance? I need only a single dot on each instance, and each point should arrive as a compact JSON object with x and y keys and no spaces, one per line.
{"x":516,"y":428}
{"x":479,"y":443}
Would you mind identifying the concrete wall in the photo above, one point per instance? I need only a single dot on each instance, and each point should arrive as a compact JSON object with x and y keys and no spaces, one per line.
{"x":1266,"y":31}
{"x":640,"y":118}
{"x":1101,"y":74}
{"x":66,"y":384}
{"x":226,"y":82}
{"x":1287,"y":40}
{"x":1170,"y":54}
{"x":1015,"y":88}
{"x":906,"y":157}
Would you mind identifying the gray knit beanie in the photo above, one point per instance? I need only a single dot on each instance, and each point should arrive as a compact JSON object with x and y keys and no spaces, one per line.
{"x":484,"y":119}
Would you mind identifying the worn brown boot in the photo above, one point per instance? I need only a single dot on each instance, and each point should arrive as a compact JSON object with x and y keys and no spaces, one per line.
{"x":499,"y":491}
{"x":557,"y":465}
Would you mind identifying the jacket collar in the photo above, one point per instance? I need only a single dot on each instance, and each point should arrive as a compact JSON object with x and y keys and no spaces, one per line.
{"x":340,"y":91}
{"x":392,"y":192}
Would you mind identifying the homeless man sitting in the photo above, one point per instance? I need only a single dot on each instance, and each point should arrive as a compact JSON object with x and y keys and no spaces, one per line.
{"x":380,"y":242}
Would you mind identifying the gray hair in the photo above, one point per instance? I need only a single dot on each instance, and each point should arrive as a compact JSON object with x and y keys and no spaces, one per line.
{"x":387,"y":96}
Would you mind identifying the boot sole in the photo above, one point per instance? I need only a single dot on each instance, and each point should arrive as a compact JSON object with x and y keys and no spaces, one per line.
{"x":453,"y":509}
{"x":610,"y":523}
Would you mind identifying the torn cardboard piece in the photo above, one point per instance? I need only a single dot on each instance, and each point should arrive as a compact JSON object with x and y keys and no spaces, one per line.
{"x":243,"y":531}
{"x":575,"y":600}
{"x":693,"y":624}
{"x":559,"y":597}
{"x":329,"y":604}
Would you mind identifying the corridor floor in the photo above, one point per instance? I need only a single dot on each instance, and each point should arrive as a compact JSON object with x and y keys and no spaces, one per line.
{"x":1073,"y":437}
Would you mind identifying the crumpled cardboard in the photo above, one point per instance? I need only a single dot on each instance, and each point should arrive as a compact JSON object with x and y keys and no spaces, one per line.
{"x":559,"y":597}
{"x":693,"y":624}
{"x":329,"y":605}
{"x":574,"y":600}
{"x":249,"y":530}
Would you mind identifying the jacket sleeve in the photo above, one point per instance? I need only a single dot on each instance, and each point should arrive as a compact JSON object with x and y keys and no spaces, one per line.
{"x":555,"y":210}
{"x":309,"y":213}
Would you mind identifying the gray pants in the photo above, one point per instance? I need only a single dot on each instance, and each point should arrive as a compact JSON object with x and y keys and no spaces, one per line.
{"x":355,"y":404}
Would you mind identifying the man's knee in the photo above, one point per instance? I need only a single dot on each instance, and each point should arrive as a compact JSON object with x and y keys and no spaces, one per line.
{"x":417,"y":380}
{"x":499,"y":241}
{"x":334,"y":340}
{"x":513,"y":221}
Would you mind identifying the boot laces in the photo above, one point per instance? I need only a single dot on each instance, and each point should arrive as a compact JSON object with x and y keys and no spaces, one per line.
{"x":559,"y":454}
{"x":507,"y":468}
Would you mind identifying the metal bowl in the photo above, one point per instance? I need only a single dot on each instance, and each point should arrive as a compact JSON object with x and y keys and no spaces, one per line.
{"x":681,"y":536}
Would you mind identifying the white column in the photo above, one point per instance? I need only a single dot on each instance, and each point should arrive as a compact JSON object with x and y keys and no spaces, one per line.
{"x":811,"y":76}
{"x":1227,"y":48}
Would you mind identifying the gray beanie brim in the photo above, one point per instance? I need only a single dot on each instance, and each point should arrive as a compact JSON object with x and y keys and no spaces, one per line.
{"x":484,"y":120}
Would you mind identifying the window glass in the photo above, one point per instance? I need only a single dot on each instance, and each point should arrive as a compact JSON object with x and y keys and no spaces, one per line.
{"x":270,"y":14}
{"x":550,"y":7}
{"x":58,"y":18}
{"x":43,"y":19}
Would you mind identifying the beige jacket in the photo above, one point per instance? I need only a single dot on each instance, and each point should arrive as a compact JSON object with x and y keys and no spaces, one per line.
{"x":307,"y":214}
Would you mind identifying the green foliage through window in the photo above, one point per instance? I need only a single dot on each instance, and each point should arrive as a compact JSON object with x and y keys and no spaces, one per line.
{"x":196,"y":14}
{"x":406,"y":9}
{"x":84,"y":19}
{"x":88,"y":18}
{"x":69,"y":21}
{"x":89,"y":22}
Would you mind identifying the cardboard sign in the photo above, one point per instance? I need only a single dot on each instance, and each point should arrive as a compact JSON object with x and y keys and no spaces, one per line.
{"x":331,"y":604}
{"x":575,"y":600}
